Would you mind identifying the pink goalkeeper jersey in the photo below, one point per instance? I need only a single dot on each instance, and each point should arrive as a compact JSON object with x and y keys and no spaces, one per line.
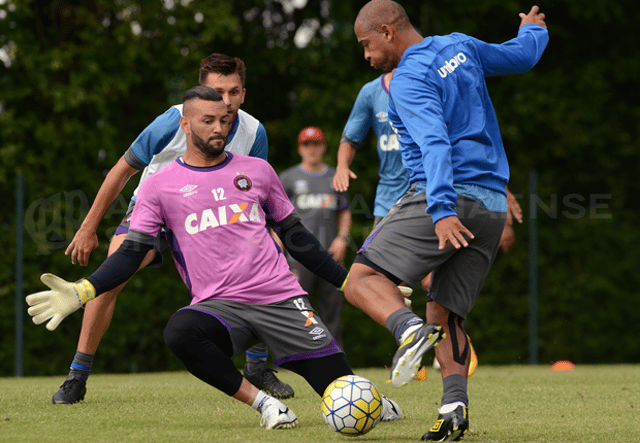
{"x":215,"y":223}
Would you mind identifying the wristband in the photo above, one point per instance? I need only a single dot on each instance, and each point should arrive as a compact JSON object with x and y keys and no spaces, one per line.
{"x":344,"y":283}
{"x":85,"y":290}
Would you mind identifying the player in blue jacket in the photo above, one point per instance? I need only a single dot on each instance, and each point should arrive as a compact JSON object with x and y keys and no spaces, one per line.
{"x":451,"y":219}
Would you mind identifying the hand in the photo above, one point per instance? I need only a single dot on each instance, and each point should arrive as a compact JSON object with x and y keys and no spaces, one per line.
{"x":83,"y":244}
{"x":62,"y":299}
{"x":450,"y":229}
{"x":338,"y":249}
{"x":341,"y":179}
{"x":534,"y":16}
{"x":513,"y":208}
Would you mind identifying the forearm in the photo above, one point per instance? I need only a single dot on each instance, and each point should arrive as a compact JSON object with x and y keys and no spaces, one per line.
{"x":111,"y":187}
{"x":119,"y":266}
{"x":346,"y":154}
{"x":306,"y":249}
{"x":344,"y":223}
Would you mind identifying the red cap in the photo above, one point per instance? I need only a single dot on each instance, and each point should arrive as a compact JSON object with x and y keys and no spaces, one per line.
{"x":310,"y":134}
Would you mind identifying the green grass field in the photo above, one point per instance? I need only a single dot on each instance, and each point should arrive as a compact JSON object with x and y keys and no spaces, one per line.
{"x":508,"y":404}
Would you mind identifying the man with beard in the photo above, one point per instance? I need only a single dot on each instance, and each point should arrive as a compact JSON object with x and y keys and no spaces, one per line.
{"x":158,"y":145}
{"x":215,"y":206}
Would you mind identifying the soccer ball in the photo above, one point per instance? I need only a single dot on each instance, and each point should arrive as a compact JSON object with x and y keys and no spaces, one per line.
{"x":351,"y":405}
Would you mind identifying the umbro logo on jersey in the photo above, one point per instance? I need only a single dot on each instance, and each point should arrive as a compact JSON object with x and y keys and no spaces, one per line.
{"x":301,"y":186}
{"x":452,"y":64}
{"x":317,"y":333}
{"x":189,"y":190}
{"x":382,"y":116}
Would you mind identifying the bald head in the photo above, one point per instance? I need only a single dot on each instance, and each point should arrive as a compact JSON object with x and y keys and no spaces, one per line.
{"x":385,"y":32}
{"x":378,"y":12}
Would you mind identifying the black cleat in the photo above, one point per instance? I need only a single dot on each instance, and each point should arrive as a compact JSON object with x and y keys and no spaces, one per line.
{"x":450,"y":426}
{"x":266,"y":380}
{"x":71,"y":391}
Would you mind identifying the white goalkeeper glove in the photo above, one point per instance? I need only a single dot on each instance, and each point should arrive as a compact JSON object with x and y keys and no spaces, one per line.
{"x":61,"y":300}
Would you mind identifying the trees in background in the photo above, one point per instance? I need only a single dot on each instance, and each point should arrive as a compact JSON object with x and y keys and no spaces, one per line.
{"x":80,"y":80}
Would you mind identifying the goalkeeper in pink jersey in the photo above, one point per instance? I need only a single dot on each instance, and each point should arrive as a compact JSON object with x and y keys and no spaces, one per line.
{"x":215,"y":207}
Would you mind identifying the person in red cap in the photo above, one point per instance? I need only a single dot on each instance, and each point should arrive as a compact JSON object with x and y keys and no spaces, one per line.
{"x":323,"y":211}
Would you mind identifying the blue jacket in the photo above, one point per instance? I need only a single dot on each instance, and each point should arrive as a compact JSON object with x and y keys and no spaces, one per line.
{"x":443,"y":116}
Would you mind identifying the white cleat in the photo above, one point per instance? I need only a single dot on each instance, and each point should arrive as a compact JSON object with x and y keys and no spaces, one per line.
{"x":277,"y":415}
{"x":408,"y":358}
{"x":390,"y":410}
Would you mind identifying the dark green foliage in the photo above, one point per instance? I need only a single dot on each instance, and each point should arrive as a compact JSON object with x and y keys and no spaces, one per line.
{"x":81,"y":85}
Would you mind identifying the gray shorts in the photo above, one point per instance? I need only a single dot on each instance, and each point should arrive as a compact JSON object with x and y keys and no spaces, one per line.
{"x":291,"y":329}
{"x":161,"y":244}
{"x":404,"y":245}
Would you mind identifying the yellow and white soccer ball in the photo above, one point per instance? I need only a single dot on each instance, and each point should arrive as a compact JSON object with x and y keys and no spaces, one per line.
{"x":351,"y":405}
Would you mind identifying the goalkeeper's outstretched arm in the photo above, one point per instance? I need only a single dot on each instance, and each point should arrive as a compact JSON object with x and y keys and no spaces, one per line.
{"x":64,"y":298}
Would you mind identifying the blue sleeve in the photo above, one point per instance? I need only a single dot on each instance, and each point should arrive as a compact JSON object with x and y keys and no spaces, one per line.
{"x":359,"y":121}
{"x":260,"y":146}
{"x":515,"y":56}
{"x":427,"y":127}
{"x":156,"y":136}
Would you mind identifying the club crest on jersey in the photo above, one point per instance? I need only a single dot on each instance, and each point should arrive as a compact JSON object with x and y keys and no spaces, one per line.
{"x":242,"y":182}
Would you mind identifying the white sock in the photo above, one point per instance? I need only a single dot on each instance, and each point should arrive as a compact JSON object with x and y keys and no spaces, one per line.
{"x":262,"y":399}
{"x":450,"y":407}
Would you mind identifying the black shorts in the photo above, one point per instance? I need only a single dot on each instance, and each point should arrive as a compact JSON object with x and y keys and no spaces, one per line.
{"x":404,"y":245}
{"x":291,"y":329}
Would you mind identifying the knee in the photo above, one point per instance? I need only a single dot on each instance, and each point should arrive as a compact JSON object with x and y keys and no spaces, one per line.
{"x":356,"y":273}
{"x":177,"y":332}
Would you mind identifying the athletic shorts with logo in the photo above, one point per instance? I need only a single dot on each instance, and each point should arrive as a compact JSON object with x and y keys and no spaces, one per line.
{"x":291,"y":329}
{"x":404,"y":247}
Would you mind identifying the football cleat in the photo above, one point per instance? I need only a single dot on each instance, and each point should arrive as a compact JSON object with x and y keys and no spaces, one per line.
{"x":390,"y":410}
{"x":265,"y":379}
{"x":277,"y":415}
{"x":71,"y":391}
{"x":407,"y":359}
{"x":450,"y":426}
